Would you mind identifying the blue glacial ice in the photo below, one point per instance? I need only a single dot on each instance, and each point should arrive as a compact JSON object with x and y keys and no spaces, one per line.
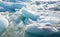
{"x":17,"y":0}
{"x":28,"y":14}
{"x":6,"y":6}
{"x":27,"y":18}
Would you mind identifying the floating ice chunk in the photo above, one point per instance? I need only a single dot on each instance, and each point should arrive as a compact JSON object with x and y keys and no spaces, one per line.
{"x":10,"y":6}
{"x":50,"y":19}
{"x":52,"y":2}
{"x":10,"y":0}
{"x":38,"y":30}
{"x":29,"y":14}
{"x":25,"y":0}
{"x":17,"y":0}
{"x":17,"y":6}
{"x":55,"y":9}
{"x":3,"y":23}
{"x":37,"y":2}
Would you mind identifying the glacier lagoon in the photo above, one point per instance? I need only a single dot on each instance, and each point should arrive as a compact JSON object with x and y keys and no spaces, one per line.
{"x":27,"y":18}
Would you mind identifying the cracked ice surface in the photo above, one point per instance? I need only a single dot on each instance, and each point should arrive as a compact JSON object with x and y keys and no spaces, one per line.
{"x":29,"y":18}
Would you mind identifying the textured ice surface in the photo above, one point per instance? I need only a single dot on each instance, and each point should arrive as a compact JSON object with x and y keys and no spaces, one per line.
{"x":3,"y":23}
{"x":29,"y":18}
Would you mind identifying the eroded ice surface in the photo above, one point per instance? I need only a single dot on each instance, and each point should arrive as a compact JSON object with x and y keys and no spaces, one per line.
{"x":29,"y":18}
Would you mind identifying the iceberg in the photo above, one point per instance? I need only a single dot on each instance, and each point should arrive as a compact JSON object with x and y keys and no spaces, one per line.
{"x":25,"y":0}
{"x":10,"y":6}
{"x":17,"y":0}
{"x":28,"y":14}
{"x":3,"y":23}
{"x":37,"y":30}
{"x":10,"y":0}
